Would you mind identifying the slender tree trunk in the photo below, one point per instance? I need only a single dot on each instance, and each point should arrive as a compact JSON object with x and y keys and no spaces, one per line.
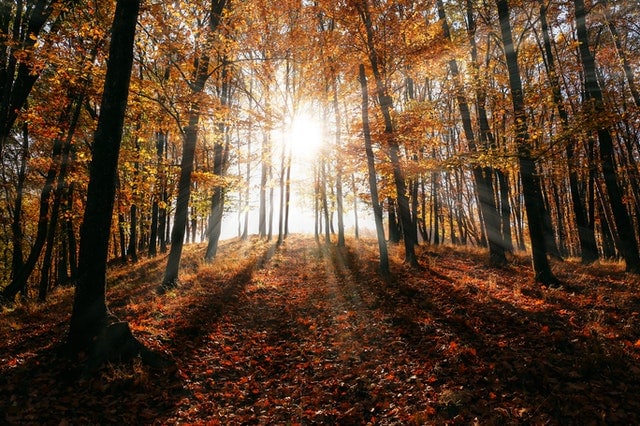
{"x":385,"y":103}
{"x":247,"y":191}
{"x":153,"y":235}
{"x":17,"y":78}
{"x":528,"y":169}
{"x":71,"y":235}
{"x":271,"y":206}
{"x":395,"y":234}
{"x":282,"y":195}
{"x":17,"y":235}
{"x":355,"y":206}
{"x":435,"y":203}
{"x":287,"y":198}
{"x":594,"y":100}
{"x":586,"y":233}
{"x":19,"y":282}
{"x":339,"y":168}
{"x":190,"y":137}
{"x":483,"y":176}
{"x":221,"y":150}
{"x":132,"y":248}
{"x":325,"y":203}
{"x":373,"y":184}
{"x":626,"y":67}
{"x":264,"y":174}
{"x":57,"y":200}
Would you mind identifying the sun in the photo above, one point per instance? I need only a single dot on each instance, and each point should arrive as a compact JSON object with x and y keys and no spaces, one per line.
{"x":305,"y":137}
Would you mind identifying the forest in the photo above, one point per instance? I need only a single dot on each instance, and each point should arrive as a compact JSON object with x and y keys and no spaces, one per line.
{"x":318,"y":211}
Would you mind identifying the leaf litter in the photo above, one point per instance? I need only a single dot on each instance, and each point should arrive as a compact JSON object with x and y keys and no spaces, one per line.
{"x":312,"y":334}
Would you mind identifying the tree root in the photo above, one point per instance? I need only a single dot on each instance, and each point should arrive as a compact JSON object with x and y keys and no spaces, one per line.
{"x":116,"y":343}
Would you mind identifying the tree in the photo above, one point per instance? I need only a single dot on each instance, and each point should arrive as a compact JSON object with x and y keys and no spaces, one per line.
{"x":201,"y":74}
{"x":586,"y":234}
{"x":92,"y":327}
{"x":386,"y":104}
{"x":594,"y":102}
{"x":373,"y":185}
{"x":21,"y":23}
{"x":483,"y":176}
{"x":528,"y":169}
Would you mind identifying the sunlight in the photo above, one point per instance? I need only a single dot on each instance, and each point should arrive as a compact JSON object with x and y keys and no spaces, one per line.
{"x":305,"y":137}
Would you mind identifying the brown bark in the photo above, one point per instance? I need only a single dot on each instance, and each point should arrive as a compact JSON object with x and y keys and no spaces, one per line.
{"x":90,"y":316}
{"x":528,"y":168}
{"x":595,"y":103}
{"x":373,"y":185}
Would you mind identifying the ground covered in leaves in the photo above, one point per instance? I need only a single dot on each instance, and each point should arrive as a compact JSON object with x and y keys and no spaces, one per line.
{"x":312,"y":334}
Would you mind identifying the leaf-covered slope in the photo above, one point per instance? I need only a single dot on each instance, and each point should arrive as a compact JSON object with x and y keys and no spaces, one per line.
{"x":312,"y":334}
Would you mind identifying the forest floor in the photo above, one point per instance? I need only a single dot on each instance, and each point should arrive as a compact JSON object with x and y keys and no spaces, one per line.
{"x":310,"y":334}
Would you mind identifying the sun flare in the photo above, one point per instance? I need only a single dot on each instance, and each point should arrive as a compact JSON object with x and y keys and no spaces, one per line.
{"x":305,"y":137}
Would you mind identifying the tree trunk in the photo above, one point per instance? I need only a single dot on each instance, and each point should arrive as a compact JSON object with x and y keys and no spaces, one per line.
{"x":132,"y":248}
{"x":594,"y":101}
{"x":355,"y":206}
{"x":57,"y":200}
{"x":71,"y":235}
{"x":17,"y":78}
{"x":339,"y":168}
{"x":220,"y":155}
{"x":283,"y":167}
{"x":287,"y":198}
{"x":247,"y":191}
{"x":528,"y":169}
{"x":90,"y":316}
{"x":122,"y":239}
{"x":19,"y":282}
{"x":190,"y":138}
{"x":325,"y":203}
{"x":373,"y":184}
{"x":17,"y":235}
{"x":395,"y":234}
{"x":264,"y":174}
{"x":153,"y":235}
{"x":483,"y":176}
{"x":385,"y":103}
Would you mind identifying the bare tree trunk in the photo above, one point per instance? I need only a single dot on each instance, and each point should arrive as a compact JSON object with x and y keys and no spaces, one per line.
{"x":483,"y":176}
{"x":247,"y":192}
{"x":220,"y":160}
{"x":339,"y":168}
{"x":594,"y":100}
{"x":355,"y":206}
{"x":190,"y":137}
{"x":385,"y":103}
{"x":90,"y":316}
{"x":17,"y":78}
{"x":528,"y":169}
{"x":266,"y":165}
{"x":373,"y":184}
{"x":325,"y":203}
{"x":282,"y":195}
{"x":17,"y":235}
{"x":57,"y":201}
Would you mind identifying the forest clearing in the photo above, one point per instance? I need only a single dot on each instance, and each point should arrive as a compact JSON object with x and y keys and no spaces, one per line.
{"x":313,"y":334}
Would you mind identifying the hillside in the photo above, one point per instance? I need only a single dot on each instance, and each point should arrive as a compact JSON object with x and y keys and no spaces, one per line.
{"x":308,"y":334}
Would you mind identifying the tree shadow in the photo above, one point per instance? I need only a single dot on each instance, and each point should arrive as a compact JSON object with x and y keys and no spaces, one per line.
{"x":44,"y":386}
{"x":504,"y":360}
